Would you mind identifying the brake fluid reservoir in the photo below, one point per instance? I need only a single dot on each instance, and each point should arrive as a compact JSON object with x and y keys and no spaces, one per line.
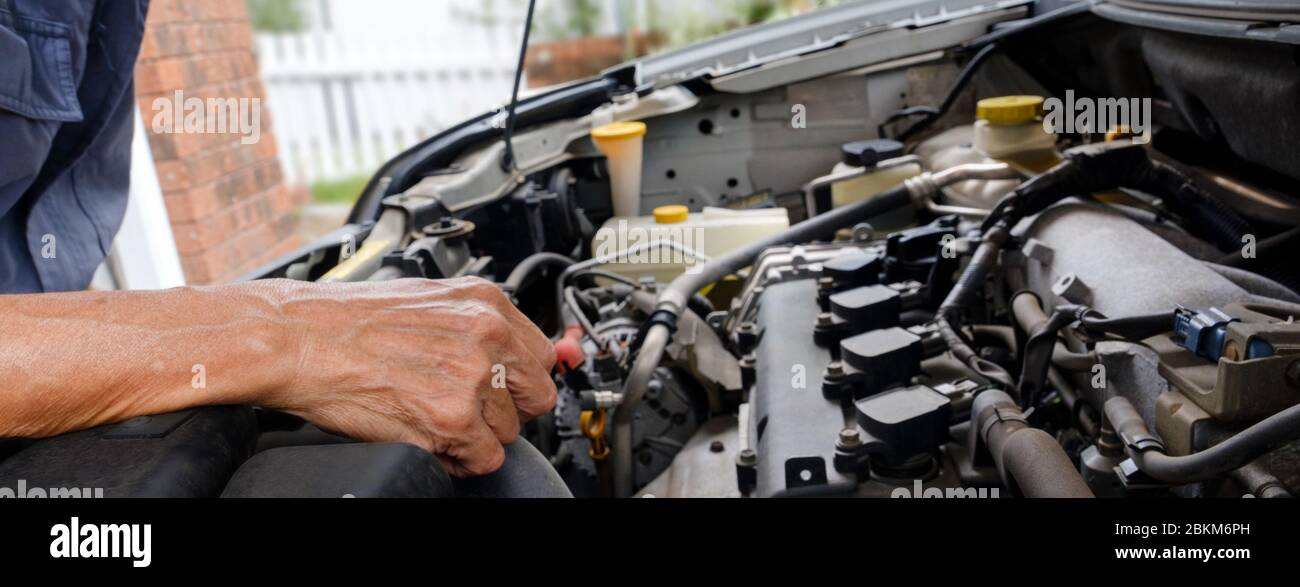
{"x":1009,"y":129}
{"x":631,"y":242}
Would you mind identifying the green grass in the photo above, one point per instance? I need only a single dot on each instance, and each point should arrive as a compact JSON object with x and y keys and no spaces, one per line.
{"x":338,"y":192}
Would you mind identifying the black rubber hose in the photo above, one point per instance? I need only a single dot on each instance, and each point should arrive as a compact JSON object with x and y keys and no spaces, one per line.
{"x":1130,"y":328}
{"x":972,"y":279}
{"x":1223,"y":458}
{"x":700,"y":305}
{"x":1203,"y":214}
{"x":1266,"y":250}
{"x":1261,"y":483}
{"x":1027,"y":458}
{"x":1037,"y":358}
{"x":533,"y":264}
{"x":969,"y":285}
{"x":1109,"y":166}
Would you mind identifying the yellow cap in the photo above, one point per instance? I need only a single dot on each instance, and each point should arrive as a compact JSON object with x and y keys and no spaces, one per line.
{"x":672,"y":214}
{"x":619,"y":130}
{"x":1008,"y":110}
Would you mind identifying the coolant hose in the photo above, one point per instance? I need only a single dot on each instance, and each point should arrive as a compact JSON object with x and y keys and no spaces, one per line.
{"x":1027,"y":458}
{"x":1242,"y":448}
{"x":676,"y":296}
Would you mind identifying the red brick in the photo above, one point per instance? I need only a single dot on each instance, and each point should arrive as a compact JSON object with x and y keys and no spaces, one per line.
{"x":230,"y":209}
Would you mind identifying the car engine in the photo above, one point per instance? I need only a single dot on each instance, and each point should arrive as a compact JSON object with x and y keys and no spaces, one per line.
{"x":874,"y":262}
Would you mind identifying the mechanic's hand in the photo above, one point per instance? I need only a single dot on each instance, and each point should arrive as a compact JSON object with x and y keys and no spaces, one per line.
{"x":450,"y":366}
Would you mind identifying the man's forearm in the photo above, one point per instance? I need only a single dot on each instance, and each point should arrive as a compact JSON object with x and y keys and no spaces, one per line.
{"x":78,"y":360}
{"x":451,"y":366}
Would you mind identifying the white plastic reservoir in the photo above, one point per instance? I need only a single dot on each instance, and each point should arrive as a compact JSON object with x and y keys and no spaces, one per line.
{"x":631,"y":242}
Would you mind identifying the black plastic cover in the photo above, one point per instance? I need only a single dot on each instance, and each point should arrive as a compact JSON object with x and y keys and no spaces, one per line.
{"x":342,"y":470}
{"x":870,"y":153}
{"x":854,"y":268}
{"x":908,"y":422}
{"x":912,"y":253}
{"x":883,"y":358}
{"x":184,"y":454}
{"x":868,"y":308}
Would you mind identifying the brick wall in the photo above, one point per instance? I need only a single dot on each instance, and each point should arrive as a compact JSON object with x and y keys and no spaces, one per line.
{"x":230,"y":208}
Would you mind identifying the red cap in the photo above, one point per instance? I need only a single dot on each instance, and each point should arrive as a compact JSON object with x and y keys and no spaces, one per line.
{"x":568,"y":350}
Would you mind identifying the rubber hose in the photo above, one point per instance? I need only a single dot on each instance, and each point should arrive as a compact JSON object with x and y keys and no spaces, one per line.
{"x":531,"y":265}
{"x":1235,"y":452}
{"x":968,"y":285}
{"x":1028,"y":458}
{"x":1109,"y":166}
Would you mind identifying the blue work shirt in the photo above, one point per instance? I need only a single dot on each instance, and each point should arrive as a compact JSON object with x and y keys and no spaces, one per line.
{"x":66,"y":121}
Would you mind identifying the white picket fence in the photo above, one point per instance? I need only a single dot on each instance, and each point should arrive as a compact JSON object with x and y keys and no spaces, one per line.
{"x":370,"y":78}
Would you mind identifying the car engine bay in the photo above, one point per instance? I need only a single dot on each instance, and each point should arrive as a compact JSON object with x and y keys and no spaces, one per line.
{"x":860,"y":268}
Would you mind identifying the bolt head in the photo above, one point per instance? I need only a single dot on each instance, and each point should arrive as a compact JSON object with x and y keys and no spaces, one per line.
{"x":717,"y":446}
{"x":747,"y":458}
{"x":849,"y":438}
{"x":824,"y":319}
{"x":836,"y":368}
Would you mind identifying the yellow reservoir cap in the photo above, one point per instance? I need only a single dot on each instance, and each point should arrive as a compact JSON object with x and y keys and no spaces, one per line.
{"x":619,"y":130}
{"x":1009,"y":110}
{"x":672,"y":214}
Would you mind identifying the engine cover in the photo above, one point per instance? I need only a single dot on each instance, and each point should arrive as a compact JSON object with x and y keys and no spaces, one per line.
{"x":793,"y":426}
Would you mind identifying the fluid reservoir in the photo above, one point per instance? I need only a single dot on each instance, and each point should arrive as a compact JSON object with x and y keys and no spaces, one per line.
{"x":866,"y":169}
{"x":870,"y":161}
{"x":623,"y":146}
{"x":713,"y":232}
{"x":1010,"y":129}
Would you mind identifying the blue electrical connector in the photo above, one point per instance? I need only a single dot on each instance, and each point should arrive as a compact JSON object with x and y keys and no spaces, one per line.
{"x":1205,"y":333}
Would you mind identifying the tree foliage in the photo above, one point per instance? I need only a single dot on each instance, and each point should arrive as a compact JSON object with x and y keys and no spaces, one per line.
{"x":276,"y":16}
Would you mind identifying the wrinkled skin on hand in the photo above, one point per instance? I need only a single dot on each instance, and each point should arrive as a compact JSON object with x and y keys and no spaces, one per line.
{"x":451,"y":366}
